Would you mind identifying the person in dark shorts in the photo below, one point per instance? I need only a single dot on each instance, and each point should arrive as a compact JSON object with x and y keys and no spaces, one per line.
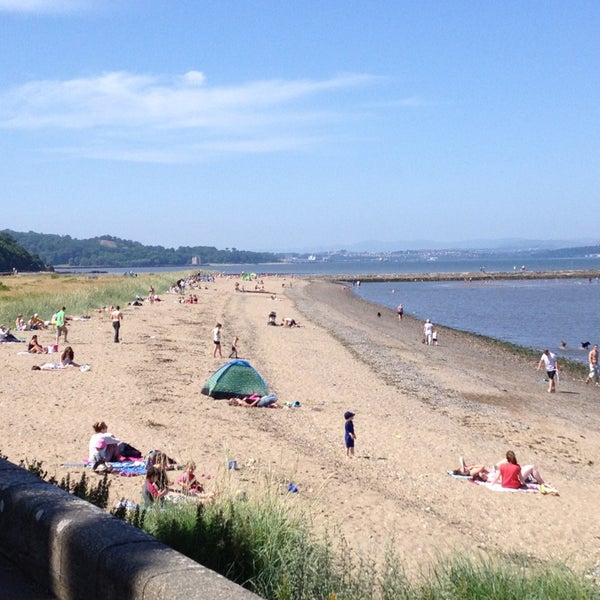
{"x":349,"y":435}
{"x":234,"y":352}
{"x":217,"y":340}
{"x":550,"y":363}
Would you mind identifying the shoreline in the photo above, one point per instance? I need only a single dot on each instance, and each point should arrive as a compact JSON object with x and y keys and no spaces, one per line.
{"x":417,"y":409}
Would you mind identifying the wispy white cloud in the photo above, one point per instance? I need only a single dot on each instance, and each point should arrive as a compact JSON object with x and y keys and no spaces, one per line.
{"x":44,"y":6}
{"x":126,"y":100}
{"x":257,"y":116}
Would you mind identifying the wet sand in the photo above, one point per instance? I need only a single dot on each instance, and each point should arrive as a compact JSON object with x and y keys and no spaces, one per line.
{"x":417,"y":409}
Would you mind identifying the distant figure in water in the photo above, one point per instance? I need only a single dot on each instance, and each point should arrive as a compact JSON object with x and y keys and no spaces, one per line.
{"x":585,"y":345}
{"x":563,"y":344}
{"x":379,"y":314}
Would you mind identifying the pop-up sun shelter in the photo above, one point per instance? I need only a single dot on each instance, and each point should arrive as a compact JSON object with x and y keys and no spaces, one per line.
{"x":235,"y":379}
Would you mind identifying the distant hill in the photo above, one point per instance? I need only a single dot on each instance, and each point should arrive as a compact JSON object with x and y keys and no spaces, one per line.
{"x":108,"y":251}
{"x":508,"y":245}
{"x":15,"y":256}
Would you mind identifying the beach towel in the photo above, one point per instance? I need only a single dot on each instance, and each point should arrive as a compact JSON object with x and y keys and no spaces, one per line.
{"x":497,"y":487}
{"x":531,"y":487}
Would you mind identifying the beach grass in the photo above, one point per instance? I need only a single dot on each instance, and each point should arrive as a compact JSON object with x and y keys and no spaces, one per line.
{"x":268,"y":545}
{"x":46,"y":293}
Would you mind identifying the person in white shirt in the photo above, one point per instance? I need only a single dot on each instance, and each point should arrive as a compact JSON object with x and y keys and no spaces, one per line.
{"x":550,"y":363}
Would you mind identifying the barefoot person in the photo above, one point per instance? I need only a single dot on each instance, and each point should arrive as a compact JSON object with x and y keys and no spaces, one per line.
{"x":61,"y":325}
{"x":509,"y":472}
{"x":217,"y":340}
{"x":550,"y":363}
{"x":234,"y":351}
{"x":473,"y":470}
{"x":593,"y":362}
{"x":35,"y":347}
{"x":116,"y":316}
{"x":349,"y":435}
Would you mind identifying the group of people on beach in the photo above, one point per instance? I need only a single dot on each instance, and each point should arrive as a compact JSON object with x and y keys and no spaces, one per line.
{"x":105,"y":449}
{"x":508,"y":473}
{"x":217,"y":334}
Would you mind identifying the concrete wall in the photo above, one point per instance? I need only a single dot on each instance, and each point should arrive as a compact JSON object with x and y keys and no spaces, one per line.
{"x":78,"y":551}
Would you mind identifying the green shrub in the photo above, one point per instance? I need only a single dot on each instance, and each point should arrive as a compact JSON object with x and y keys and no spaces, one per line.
{"x":94,"y":494}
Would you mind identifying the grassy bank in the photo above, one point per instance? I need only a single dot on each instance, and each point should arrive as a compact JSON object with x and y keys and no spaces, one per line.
{"x":266,"y":544}
{"x":45,"y":293}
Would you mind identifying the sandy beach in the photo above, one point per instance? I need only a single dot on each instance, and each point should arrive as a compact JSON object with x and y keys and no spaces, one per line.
{"x":417,"y":409}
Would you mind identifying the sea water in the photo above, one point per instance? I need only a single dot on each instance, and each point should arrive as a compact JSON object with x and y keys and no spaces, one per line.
{"x":532,"y":313}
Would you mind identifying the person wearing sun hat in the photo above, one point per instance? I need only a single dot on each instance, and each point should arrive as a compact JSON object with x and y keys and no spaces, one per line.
{"x":349,"y":435}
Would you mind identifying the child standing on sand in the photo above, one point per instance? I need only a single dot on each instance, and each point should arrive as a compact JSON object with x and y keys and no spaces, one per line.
{"x":234,"y":352}
{"x":349,"y":435}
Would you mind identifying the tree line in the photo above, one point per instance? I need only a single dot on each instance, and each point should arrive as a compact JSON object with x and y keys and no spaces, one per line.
{"x":15,"y":256}
{"x":109,"y":251}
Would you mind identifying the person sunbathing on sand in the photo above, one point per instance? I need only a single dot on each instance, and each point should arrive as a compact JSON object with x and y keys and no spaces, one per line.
{"x":35,"y":322}
{"x":66,"y":358}
{"x":35,"y":347}
{"x":6,"y":335}
{"x":246,"y":401}
{"x":480,"y":472}
{"x":268,"y":401}
{"x":525,"y":472}
{"x":189,"y":482}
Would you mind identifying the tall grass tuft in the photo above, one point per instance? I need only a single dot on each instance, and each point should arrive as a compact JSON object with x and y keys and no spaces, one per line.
{"x":95,"y":494}
{"x":509,"y":578}
{"x":79,"y":294}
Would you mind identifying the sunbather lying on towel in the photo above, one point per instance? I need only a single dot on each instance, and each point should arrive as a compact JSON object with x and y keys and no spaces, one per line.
{"x":268,"y":401}
{"x":475,"y":471}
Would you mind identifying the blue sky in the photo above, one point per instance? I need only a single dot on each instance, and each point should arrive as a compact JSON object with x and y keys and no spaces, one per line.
{"x":281,"y":125}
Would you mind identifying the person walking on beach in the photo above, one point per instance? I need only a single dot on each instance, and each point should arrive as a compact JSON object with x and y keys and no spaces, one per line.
{"x":217,"y":340}
{"x":349,"y":435}
{"x":550,"y":363}
{"x":61,"y":326}
{"x":428,"y":332}
{"x":594,"y":374}
{"x":116,"y":316}
{"x":400,"y":310}
{"x":234,"y":352}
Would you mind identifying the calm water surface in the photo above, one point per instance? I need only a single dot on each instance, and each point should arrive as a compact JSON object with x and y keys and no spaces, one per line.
{"x":536,"y":314}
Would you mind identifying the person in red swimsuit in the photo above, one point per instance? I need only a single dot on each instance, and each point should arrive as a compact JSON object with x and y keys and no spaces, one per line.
{"x":509,"y":473}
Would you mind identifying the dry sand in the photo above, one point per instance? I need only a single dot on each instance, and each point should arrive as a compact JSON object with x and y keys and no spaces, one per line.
{"x":417,"y":409}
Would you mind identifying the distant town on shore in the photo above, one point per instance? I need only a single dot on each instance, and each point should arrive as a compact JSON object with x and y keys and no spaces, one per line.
{"x":30,"y":251}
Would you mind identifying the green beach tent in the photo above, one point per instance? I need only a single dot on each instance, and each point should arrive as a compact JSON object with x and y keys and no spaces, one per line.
{"x":235,"y":379}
